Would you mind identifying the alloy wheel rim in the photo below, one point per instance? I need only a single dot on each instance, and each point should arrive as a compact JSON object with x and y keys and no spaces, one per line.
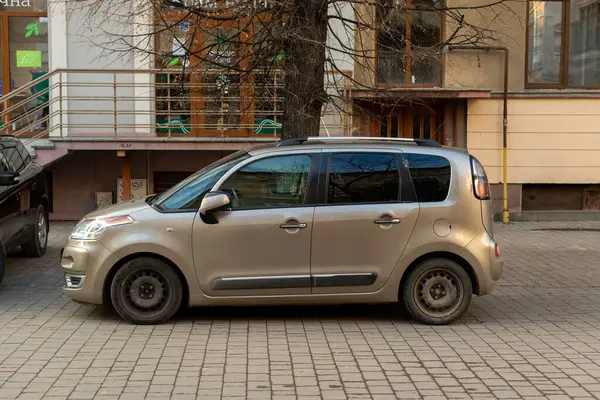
{"x":41,"y":230}
{"x":438,"y":292}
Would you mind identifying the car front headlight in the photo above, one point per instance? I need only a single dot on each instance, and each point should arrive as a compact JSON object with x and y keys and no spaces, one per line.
{"x":92,"y":228}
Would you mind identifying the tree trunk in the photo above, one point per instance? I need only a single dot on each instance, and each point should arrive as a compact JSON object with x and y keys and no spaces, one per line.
{"x":304,"y":68}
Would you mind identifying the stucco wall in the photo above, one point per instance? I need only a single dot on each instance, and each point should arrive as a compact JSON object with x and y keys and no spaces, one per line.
{"x":549,"y":140}
{"x":502,"y":25}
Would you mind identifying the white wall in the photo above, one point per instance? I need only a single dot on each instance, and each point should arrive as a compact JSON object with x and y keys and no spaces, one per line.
{"x":340,"y":38}
{"x":98,"y":40}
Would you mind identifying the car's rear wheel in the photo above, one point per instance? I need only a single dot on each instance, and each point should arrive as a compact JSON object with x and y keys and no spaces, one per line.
{"x":437,"y":292}
{"x":146,"y":291}
{"x":38,"y":238}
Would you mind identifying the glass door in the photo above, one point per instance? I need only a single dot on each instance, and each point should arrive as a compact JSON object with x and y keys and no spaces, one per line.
{"x":175,"y":88}
{"x":28,"y":61}
{"x":415,"y":122}
{"x":24,"y":58}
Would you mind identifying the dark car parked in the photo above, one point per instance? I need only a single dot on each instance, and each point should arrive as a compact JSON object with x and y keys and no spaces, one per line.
{"x":23,"y":201}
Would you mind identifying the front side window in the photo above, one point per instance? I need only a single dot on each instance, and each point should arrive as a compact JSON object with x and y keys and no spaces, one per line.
{"x":363,"y":178}
{"x":188,"y":194}
{"x":551,"y":25}
{"x":408,"y":42}
{"x":430,"y":175}
{"x":273,"y":182}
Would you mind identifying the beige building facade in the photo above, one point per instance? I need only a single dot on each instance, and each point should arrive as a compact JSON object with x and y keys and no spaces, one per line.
{"x":553,"y":107}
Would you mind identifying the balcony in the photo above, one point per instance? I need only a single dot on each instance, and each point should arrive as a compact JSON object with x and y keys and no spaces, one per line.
{"x":159,"y":109}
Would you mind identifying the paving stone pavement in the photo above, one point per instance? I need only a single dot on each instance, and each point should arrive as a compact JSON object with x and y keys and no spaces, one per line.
{"x":537,"y":336}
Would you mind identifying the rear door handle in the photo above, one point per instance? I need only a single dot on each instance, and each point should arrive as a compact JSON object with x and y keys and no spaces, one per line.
{"x":293,"y":226}
{"x":387,"y":221}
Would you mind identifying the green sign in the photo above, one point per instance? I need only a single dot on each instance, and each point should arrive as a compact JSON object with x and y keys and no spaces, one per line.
{"x":29,"y":58}
{"x":32,"y":29}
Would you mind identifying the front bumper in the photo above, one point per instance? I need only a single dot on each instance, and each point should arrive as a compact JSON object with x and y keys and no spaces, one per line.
{"x":86,"y":265}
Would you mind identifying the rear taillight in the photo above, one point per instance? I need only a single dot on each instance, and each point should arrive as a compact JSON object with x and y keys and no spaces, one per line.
{"x":481,"y":187}
{"x":497,"y":250}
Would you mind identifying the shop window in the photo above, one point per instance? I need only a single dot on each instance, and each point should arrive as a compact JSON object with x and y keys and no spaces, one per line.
{"x":25,"y":48}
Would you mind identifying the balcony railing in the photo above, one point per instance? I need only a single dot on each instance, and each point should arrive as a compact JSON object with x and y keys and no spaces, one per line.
{"x":159,"y":103}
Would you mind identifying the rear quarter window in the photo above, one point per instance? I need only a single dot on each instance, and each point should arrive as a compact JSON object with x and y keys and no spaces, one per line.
{"x":430,"y":175}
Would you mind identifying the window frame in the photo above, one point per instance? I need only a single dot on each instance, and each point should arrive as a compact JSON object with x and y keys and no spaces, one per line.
{"x":408,"y":53}
{"x":198,"y":100}
{"x":405,"y":193}
{"x":563,"y":73}
{"x":313,"y":177}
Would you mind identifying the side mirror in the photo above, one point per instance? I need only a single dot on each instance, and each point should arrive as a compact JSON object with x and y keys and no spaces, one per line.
{"x":8,"y":178}
{"x":214,"y":202}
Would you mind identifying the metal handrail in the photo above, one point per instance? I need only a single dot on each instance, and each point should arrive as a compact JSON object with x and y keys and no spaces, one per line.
{"x":166,"y":107}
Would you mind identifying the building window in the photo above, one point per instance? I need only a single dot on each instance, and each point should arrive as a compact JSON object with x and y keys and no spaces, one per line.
{"x":408,"y":42}
{"x":563,"y":43}
{"x":24,"y":57}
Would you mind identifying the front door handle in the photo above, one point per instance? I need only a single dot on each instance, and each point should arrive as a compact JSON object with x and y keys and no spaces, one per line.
{"x":387,"y":221}
{"x":293,"y":226}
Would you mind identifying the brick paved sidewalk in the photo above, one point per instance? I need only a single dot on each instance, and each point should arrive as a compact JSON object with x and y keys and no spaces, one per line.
{"x":538,"y":336}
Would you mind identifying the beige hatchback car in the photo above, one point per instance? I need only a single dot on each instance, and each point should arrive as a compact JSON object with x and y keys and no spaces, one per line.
{"x":306,"y":221}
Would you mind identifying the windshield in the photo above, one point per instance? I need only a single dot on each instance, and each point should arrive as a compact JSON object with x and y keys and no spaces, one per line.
{"x":188,"y":193}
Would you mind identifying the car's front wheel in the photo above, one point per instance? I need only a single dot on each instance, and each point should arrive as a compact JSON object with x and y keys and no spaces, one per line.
{"x":437,"y":292}
{"x":146,"y":291}
{"x":38,"y":238}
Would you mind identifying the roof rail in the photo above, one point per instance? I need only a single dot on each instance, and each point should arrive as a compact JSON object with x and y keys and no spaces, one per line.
{"x":323,"y":139}
{"x":291,"y":142}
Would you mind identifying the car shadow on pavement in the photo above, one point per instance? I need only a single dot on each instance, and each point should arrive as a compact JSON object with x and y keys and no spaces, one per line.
{"x":351,"y":312}
{"x":339,"y":312}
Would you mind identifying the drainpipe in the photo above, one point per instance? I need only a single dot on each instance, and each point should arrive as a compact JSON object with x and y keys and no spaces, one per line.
{"x":505,"y":214}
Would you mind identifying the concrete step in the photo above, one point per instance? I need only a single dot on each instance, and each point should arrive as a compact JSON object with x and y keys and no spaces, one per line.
{"x":557,"y":215}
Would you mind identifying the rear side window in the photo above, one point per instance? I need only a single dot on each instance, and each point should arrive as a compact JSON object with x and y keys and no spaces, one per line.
{"x":25,"y":156}
{"x":14,"y":159}
{"x":430,"y":175}
{"x":363,"y":178}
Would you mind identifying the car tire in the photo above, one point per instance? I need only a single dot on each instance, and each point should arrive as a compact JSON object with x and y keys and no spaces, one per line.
{"x":38,"y":238}
{"x":437,"y":292}
{"x":146,"y":291}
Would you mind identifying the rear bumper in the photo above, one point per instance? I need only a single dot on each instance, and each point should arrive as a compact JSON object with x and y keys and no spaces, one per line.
{"x":483,"y":248}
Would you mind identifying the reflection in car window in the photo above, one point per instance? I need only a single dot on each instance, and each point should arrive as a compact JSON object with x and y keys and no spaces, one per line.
{"x":430,"y":175}
{"x":14,"y":158}
{"x":4,"y":166}
{"x":363,"y":178}
{"x":272,"y":182}
{"x":188,"y":194}
{"x":25,"y":156}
